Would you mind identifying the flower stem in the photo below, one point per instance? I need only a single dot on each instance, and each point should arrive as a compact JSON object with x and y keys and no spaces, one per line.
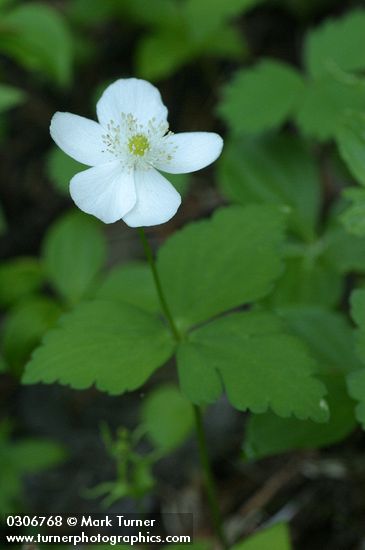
{"x":149,"y":255}
{"x":209,"y":478}
{"x":199,"y":428}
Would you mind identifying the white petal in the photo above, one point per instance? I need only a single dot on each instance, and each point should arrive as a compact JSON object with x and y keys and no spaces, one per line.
{"x":80,"y":138}
{"x":190,"y":151}
{"x":105,"y":191}
{"x":134,"y":96}
{"x":157,"y":200}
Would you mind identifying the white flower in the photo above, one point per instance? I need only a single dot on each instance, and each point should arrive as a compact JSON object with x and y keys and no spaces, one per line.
{"x":125,"y":149}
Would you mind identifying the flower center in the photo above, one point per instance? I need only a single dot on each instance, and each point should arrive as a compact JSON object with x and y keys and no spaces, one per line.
{"x":138,"y":145}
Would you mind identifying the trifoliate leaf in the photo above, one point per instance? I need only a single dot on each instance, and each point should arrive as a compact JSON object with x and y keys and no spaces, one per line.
{"x":275,"y":537}
{"x":10,"y":97}
{"x":168,"y":418}
{"x":24,"y":327}
{"x":132,"y":284}
{"x":74,"y":252}
{"x":353,"y":217}
{"x":277,"y":170}
{"x":61,"y":168}
{"x":351,"y":144}
{"x":37,"y":37}
{"x":326,"y":102}
{"x":261,"y":98}
{"x":261,"y":366}
{"x":114,"y":346}
{"x":267,"y":434}
{"x":337,"y":43}
{"x":19,"y":278}
{"x":218,"y":264}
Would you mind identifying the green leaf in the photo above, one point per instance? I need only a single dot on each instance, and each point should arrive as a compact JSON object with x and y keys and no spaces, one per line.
{"x":93,"y":12}
{"x":160,"y":54}
{"x":163,"y":14}
{"x":61,"y":168}
{"x":226,"y":42}
{"x":19,"y":278}
{"x":330,"y":339}
{"x":337,"y":43}
{"x":261,"y":366}
{"x":327,"y":334}
{"x":345,"y":252}
{"x":198,"y":381}
{"x":6,"y":3}
{"x":261,"y":98}
{"x":307,"y":280}
{"x":351,"y":144}
{"x":3,"y":365}
{"x":358,"y":307}
{"x":37,"y":37}
{"x":168,"y":418}
{"x":353,"y":217}
{"x":326,"y":102}
{"x":34,"y":455}
{"x":267,"y":434}
{"x":356,"y":380}
{"x":74,"y":252}
{"x":207,"y":16}
{"x":24,"y":456}
{"x":114,"y":346}
{"x":24,"y":327}
{"x":277,"y":170}
{"x":180,"y":35}
{"x":199,"y":266}
{"x":131,"y":284}
{"x":275,"y":537}
{"x":10,"y":97}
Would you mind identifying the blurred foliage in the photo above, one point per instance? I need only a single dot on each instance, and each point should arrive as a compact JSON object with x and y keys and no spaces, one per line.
{"x":275,"y":537}
{"x":133,"y":470}
{"x":166,"y":432}
{"x":259,"y":291}
{"x":18,"y":458}
{"x":38,"y":38}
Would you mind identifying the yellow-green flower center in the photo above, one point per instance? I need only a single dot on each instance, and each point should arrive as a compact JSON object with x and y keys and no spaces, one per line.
{"x":138,"y":145}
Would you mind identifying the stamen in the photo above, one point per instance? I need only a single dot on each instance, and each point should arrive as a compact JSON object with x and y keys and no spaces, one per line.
{"x":138,"y":145}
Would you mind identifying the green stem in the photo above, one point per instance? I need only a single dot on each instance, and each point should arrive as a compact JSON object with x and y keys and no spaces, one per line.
{"x":209,"y":478}
{"x":149,"y":255}
{"x":203,"y":451}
